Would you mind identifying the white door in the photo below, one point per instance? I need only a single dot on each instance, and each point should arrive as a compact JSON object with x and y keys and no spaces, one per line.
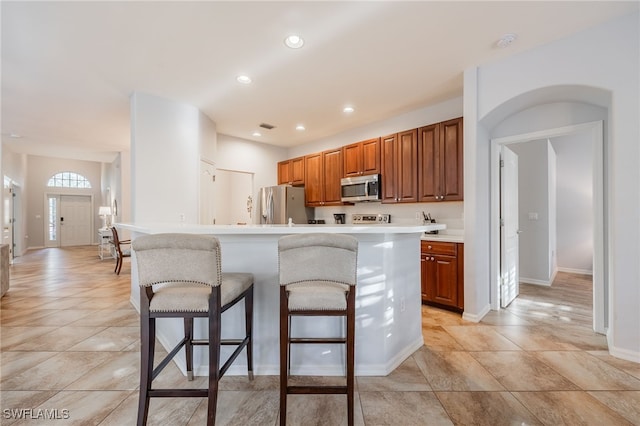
{"x":207,"y":193}
{"x":75,"y":220}
{"x":8,"y":220}
{"x":509,"y":239}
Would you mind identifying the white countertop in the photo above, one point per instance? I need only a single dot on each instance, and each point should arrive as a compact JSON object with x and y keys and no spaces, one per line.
{"x":449,"y":236}
{"x":156,"y":228}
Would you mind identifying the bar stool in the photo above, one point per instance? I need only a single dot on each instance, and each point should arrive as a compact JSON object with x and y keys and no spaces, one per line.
{"x":180,"y":277}
{"x":317,"y":278}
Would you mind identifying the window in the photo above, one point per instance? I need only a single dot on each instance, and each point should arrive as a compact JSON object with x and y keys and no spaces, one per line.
{"x":68,"y":180}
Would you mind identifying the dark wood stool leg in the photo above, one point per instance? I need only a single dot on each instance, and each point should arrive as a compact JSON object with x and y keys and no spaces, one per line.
{"x":214,"y":354}
{"x":351,"y":331}
{"x":248,"y":309}
{"x":148,"y":335}
{"x":188,"y":346}
{"x":284,"y":354}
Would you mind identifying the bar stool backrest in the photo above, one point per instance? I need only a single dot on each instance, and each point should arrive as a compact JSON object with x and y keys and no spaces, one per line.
{"x":178,"y":258}
{"x":318,"y":257}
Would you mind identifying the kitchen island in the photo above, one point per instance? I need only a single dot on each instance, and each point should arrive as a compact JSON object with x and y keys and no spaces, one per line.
{"x":388,"y":301}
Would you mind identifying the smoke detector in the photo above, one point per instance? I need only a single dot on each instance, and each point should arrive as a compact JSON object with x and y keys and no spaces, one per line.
{"x":506,"y":40}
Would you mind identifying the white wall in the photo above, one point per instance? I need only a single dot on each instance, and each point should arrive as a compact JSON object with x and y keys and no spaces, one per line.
{"x":167,"y":141}
{"x":533,"y":200}
{"x":554,"y":72}
{"x":575,"y":203}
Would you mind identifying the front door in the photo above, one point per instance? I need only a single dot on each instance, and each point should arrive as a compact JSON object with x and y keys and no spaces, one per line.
{"x":75,"y":220}
{"x":509,"y":238}
{"x":68,"y":220}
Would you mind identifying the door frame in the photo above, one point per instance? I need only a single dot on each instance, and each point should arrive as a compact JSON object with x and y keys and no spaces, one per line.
{"x":600,"y":277}
{"x":45,"y":214}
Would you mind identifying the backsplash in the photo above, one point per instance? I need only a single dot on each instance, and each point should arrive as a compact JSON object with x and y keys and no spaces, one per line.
{"x":448,"y":213}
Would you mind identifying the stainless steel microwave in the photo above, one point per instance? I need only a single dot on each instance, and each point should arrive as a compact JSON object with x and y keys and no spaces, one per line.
{"x":361,"y":188}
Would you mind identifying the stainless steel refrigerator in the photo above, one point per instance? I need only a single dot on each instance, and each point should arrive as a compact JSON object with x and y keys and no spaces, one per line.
{"x":279,"y":203}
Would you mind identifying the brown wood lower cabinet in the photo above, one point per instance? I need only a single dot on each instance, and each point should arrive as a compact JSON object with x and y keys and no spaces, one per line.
{"x":442,"y":266}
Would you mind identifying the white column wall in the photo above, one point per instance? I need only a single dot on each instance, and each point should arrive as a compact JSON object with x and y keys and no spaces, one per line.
{"x":167,"y":140}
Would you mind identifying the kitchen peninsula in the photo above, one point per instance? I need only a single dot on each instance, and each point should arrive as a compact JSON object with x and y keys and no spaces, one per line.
{"x":388,"y":300}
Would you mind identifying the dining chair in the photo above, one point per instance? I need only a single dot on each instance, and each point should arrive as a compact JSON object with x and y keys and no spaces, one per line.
{"x":121,"y":253}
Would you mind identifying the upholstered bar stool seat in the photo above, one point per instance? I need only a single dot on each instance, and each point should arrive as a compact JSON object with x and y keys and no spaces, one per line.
{"x":180,"y":277}
{"x":317,"y":278}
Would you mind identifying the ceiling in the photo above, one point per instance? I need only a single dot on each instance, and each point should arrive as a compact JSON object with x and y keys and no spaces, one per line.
{"x":69,"y":68}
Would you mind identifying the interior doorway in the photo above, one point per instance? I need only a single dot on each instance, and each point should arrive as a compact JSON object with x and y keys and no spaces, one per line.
{"x":596,"y":137}
{"x":9,"y":222}
{"x":233,"y":198}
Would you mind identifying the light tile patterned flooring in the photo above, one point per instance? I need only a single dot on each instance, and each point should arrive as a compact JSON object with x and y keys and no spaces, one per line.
{"x":69,"y":341}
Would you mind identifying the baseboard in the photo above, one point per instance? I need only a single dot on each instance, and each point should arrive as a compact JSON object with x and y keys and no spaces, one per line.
{"x":535,"y":281}
{"x":476,"y":317}
{"x":575,"y":271}
{"x":324,"y":370}
{"x":625,"y":354}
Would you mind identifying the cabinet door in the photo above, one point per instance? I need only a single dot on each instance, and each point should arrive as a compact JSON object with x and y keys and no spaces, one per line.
{"x":352,"y":160}
{"x":332,"y":162}
{"x":451,"y":161}
{"x":371,"y":156}
{"x":442,"y":280}
{"x":284,"y":172}
{"x":296,"y":170}
{"x":425,"y":270}
{"x":407,"y":166}
{"x":428,"y":169}
{"x":313,"y":179}
{"x":388,"y":168}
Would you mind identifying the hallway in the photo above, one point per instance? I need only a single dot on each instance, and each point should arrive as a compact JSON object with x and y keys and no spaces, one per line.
{"x":69,"y":341}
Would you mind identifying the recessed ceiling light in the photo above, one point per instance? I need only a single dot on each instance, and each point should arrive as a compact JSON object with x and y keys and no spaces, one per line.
{"x":348,"y":109}
{"x":257,"y":134}
{"x":506,"y":40}
{"x":294,"y":41}
{"x":244,"y":79}
{"x":300,"y":127}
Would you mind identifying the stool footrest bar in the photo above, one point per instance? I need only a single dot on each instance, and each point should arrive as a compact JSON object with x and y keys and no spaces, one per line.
{"x":316,"y":390}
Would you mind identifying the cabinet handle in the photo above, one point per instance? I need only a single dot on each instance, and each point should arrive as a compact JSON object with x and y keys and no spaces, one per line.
{"x":429,"y":247}
{"x":432,"y":258}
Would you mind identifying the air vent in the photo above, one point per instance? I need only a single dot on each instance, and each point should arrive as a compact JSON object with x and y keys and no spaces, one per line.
{"x":267,"y":126}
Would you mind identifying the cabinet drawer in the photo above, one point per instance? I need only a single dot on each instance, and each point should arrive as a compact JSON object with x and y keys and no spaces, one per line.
{"x":439,"y":247}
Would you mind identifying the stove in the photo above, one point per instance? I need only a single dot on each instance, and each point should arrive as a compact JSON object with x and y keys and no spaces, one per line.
{"x":370,"y":219}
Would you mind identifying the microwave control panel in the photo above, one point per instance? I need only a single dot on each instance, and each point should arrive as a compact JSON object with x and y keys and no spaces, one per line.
{"x":371,"y":219}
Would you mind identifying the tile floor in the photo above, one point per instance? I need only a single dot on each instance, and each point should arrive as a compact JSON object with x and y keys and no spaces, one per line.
{"x":69,"y":341}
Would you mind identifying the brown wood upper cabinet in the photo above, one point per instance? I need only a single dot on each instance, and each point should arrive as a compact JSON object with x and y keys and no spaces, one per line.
{"x":323,"y":172}
{"x":399,"y":167}
{"x":441,"y":164}
{"x":291,"y":172}
{"x":361,"y":158}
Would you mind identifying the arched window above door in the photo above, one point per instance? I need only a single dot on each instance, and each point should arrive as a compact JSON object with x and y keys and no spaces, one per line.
{"x":68,"y":180}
